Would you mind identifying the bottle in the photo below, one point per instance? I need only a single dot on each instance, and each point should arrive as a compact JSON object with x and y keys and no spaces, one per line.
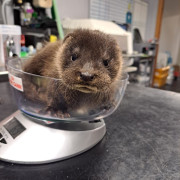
{"x":129,"y":17}
{"x":26,"y":14}
{"x":170,"y":77}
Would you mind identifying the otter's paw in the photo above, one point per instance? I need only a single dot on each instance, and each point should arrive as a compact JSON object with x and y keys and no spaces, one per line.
{"x":60,"y":114}
{"x":109,"y":106}
{"x":50,"y":111}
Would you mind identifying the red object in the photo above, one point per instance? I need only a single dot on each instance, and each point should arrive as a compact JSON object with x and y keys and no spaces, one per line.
{"x":23,"y":40}
{"x":177,"y":71}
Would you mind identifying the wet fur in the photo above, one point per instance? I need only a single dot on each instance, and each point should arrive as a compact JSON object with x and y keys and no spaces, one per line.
{"x":54,"y":60}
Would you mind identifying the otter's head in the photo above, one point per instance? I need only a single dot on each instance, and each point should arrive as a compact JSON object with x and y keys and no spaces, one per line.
{"x":89,"y":61}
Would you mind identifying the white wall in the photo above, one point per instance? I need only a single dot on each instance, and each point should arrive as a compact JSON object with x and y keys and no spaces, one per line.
{"x":170,"y":29}
{"x":76,"y":9}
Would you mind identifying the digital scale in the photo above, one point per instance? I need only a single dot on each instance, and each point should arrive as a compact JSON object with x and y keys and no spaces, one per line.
{"x":29,"y":136}
{"x":27,"y":140}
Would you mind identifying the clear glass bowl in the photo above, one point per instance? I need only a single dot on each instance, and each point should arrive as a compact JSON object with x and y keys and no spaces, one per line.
{"x":30,"y":92}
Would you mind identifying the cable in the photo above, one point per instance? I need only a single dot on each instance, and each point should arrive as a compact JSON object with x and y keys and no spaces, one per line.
{"x":59,"y":26}
{"x":3,"y":10}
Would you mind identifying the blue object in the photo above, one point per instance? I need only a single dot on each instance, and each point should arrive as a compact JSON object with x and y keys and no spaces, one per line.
{"x":24,"y":49}
{"x":128,"y":17}
{"x":169,"y":60}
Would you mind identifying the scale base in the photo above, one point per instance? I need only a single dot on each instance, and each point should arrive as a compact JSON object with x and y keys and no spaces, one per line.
{"x":27,"y":141}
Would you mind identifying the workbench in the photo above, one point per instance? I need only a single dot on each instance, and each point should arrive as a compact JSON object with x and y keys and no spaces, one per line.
{"x":142,"y":142}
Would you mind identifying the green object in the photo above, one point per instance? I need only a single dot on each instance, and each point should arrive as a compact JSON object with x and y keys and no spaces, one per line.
{"x":53,"y":13}
{"x":34,"y":15}
{"x":23,"y":54}
{"x":59,"y":26}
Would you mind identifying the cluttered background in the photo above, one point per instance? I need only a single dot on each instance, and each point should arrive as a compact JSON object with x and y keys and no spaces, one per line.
{"x":146,"y":31}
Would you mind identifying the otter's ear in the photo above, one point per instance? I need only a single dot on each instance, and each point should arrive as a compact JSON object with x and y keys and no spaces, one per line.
{"x":70,"y":35}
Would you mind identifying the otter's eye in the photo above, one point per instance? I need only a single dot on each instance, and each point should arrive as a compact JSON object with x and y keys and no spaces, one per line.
{"x":74,"y":57}
{"x":106,"y":62}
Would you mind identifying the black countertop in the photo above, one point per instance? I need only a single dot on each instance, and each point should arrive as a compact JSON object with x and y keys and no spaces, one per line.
{"x":142,"y":142}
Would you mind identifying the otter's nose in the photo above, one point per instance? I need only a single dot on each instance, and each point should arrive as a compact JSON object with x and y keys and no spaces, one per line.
{"x":85,"y":76}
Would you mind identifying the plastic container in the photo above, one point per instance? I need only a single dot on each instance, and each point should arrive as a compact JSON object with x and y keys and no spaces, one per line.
{"x":31,"y":90}
{"x":160,"y":80}
{"x":10,"y":37}
{"x":162,"y":71}
{"x":161,"y":76}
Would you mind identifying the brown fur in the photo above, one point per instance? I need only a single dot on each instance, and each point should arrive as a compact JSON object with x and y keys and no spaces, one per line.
{"x":91,"y":49}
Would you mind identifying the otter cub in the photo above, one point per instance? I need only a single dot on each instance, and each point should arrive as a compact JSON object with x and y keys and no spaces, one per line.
{"x":87,"y":63}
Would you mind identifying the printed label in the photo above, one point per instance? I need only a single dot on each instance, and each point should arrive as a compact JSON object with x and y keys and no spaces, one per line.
{"x":16,"y":82}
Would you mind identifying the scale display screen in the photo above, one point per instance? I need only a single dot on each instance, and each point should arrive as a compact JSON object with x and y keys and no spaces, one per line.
{"x":14,"y":127}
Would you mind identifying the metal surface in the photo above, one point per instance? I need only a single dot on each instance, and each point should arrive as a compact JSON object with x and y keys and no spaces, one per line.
{"x":42,"y":143}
